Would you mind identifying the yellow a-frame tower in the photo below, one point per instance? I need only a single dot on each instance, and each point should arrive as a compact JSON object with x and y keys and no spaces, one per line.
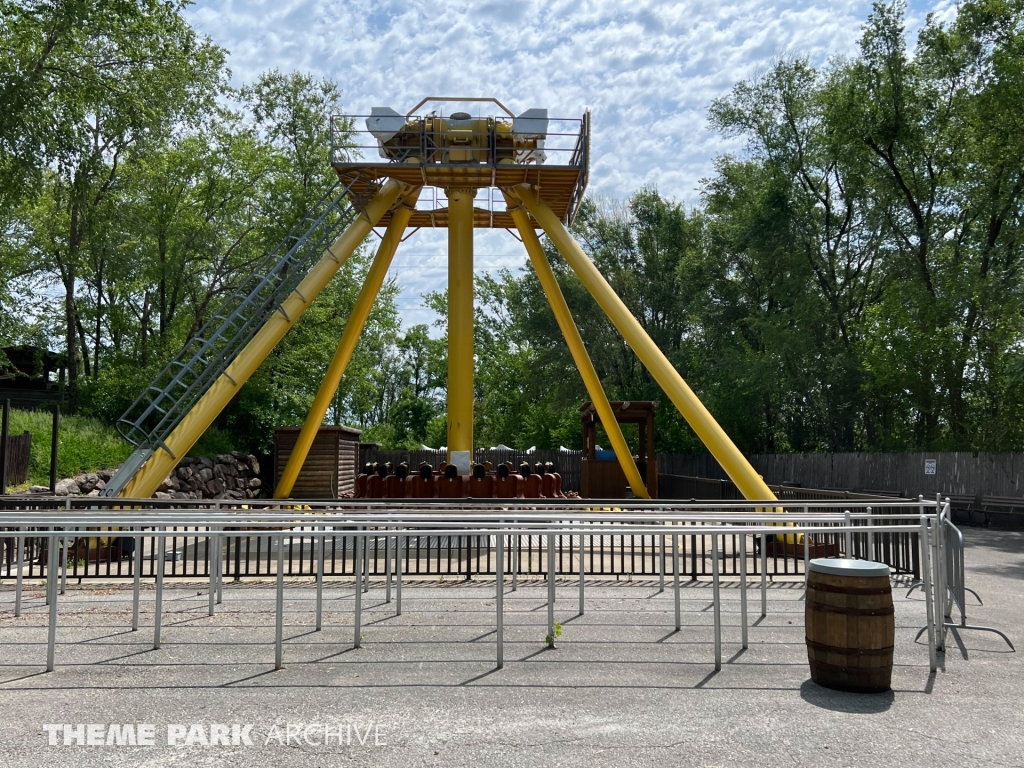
{"x":541,"y":175}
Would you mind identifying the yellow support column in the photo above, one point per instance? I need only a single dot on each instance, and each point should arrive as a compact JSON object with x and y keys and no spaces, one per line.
{"x":703,"y":423}
{"x":220,"y":393}
{"x":575,"y":344}
{"x":353,"y":329}
{"x":460,"y":326}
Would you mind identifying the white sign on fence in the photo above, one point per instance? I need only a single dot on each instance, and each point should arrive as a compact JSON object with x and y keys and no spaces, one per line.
{"x":929,"y":466}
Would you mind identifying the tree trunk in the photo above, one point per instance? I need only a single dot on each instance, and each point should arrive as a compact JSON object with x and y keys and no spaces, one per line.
{"x":162,"y":253}
{"x":85,"y":347}
{"x":99,"y":320}
{"x":144,"y":333}
{"x":71,"y":310}
{"x":71,"y":338}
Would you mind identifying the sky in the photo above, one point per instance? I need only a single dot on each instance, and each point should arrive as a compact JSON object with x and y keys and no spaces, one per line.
{"x":647,"y":70}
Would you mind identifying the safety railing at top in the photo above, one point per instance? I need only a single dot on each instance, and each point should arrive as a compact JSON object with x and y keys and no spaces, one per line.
{"x":498,"y":528}
{"x":481,"y":141}
{"x":434,"y":139}
{"x":581,"y":158}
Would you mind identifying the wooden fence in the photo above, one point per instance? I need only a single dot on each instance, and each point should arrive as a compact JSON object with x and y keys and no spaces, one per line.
{"x":566,"y":463}
{"x":19,"y":450}
{"x":906,"y":474}
{"x":902,"y":474}
{"x":702,"y":488}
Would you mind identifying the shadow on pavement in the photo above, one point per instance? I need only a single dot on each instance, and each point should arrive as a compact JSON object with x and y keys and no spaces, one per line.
{"x":840,"y":701}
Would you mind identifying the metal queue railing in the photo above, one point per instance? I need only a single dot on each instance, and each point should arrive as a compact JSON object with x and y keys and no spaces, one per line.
{"x":499,"y":529}
{"x":100,"y":556}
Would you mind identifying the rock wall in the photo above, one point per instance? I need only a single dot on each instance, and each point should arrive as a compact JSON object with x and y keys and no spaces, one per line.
{"x":89,"y":484}
{"x":232,"y":475}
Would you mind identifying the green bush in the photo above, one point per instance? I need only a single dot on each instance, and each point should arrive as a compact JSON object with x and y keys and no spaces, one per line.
{"x":213,"y":442}
{"x":84,"y":444}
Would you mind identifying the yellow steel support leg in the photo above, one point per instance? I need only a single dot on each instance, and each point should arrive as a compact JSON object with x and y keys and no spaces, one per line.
{"x":353,"y":329}
{"x":575,"y":344}
{"x":460,"y":322}
{"x":703,"y":423}
{"x":220,"y":393}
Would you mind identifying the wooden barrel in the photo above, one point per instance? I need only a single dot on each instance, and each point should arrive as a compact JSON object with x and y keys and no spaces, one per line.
{"x":850,"y":626}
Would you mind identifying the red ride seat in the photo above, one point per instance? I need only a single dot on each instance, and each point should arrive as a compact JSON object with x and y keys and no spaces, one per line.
{"x":423,"y":485}
{"x":451,"y":485}
{"x":374,"y":487}
{"x":506,"y":484}
{"x":532,"y":484}
{"x":548,"y":486}
{"x":480,"y":485}
{"x":395,"y":486}
{"x":533,"y":487}
{"x":558,"y":485}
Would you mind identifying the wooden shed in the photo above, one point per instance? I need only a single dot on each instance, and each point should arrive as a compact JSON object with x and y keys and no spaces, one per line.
{"x":331,"y":466}
{"x":601,"y":475}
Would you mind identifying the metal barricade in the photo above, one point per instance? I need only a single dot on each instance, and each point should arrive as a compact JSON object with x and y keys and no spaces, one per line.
{"x":949,"y":578}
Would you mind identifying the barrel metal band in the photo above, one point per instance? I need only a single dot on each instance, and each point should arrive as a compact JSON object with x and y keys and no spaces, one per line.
{"x":884,"y":611}
{"x":887,"y":590}
{"x":857,"y":672}
{"x":887,"y":651}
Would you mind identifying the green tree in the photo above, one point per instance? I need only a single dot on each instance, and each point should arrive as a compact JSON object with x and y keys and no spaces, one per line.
{"x":115,"y":83}
{"x":934,"y":138}
{"x":294,"y":113}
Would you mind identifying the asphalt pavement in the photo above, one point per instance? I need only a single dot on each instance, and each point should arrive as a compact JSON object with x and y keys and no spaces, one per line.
{"x":620,"y":687}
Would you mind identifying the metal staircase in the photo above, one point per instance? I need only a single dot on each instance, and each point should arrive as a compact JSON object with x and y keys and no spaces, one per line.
{"x":207,"y":355}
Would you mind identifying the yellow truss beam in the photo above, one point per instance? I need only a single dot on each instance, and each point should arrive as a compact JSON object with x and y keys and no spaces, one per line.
{"x":353,"y":329}
{"x":197,"y":421}
{"x":750,"y":484}
{"x":575,"y":343}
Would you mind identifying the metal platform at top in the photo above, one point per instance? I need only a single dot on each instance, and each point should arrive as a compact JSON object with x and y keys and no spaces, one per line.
{"x":434,"y":151}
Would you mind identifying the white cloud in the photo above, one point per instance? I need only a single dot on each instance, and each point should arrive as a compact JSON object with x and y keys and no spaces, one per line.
{"x":648,"y":70}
